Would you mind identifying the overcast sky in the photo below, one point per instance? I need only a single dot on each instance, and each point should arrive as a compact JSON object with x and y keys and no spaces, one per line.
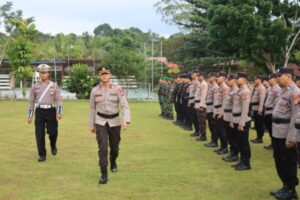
{"x":77,"y":16}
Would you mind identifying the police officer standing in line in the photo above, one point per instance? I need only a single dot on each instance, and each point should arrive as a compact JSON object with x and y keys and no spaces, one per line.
{"x":213,"y":87}
{"x":188,"y":121}
{"x":106,"y":102}
{"x":219,"y":99}
{"x":226,"y":113}
{"x":272,"y":94}
{"x":193,"y":89}
{"x":284,"y":136}
{"x":45,"y":97}
{"x":240,"y":121}
{"x":176,"y":100}
{"x":257,"y":106}
{"x":200,"y":105}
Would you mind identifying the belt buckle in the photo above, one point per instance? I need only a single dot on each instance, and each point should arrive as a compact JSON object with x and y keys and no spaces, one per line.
{"x":45,"y":106}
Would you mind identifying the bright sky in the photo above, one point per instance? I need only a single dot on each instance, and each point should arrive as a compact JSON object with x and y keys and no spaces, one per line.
{"x":77,"y":16}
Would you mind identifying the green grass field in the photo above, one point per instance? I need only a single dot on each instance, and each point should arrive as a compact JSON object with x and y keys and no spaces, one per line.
{"x":157,"y":161}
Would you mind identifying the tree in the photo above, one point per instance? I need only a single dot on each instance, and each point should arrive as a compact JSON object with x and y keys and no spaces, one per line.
{"x":80,"y":81}
{"x":124,"y":62}
{"x":21,"y":49}
{"x":103,"y":30}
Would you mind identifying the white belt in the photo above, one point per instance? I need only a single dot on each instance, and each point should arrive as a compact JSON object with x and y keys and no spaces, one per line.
{"x":45,"y":106}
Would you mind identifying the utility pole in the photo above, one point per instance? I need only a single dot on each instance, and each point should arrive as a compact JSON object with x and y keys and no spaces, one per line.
{"x":152,"y":67}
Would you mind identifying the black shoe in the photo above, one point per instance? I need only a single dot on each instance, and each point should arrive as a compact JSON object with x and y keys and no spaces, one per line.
{"x":257,"y":141}
{"x":287,"y":194}
{"x":276,"y":192}
{"x":211,"y":144}
{"x":223,"y":151}
{"x":113,"y":167}
{"x":202,"y":138}
{"x":195,"y":134}
{"x":231,"y":158}
{"x":42,"y":159}
{"x":54,"y":150}
{"x":187,"y":128}
{"x":217,"y":150}
{"x":103,"y":179}
{"x":242,"y":167}
{"x":270,"y":147}
{"x":236,"y":165}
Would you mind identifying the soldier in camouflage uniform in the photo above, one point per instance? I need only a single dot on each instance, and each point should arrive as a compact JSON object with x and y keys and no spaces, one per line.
{"x":168,"y":99}
{"x":159,"y":93}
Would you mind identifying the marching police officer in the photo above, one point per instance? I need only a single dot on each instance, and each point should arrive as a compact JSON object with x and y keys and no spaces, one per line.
{"x":272,"y":94}
{"x":257,"y":106}
{"x":106,"y":102}
{"x":46,"y":99}
{"x":285,"y":136}
{"x":240,"y":121}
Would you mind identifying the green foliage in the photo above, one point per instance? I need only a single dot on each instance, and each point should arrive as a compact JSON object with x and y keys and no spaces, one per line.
{"x":23,"y":73}
{"x":80,"y":81}
{"x":104,"y":30}
{"x":123,"y":62}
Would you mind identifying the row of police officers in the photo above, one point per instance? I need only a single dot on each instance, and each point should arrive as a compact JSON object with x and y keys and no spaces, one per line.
{"x":228,"y":104}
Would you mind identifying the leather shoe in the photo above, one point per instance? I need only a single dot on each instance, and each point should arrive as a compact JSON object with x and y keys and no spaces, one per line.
{"x":222,"y":151}
{"x":236,"y":165}
{"x":242,"y":167}
{"x":42,"y":159}
{"x":231,"y":158}
{"x":270,"y":147}
{"x":287,"y":194}
{"x":257,"y":141}
{"x":113,"y":167}
{"x":54,"y":150}
{"x":103,"y":179}
{"x":211,"y":144}
{"x":276,"y":192}
{"x":195,"y":134}
{"x":202,"y":138}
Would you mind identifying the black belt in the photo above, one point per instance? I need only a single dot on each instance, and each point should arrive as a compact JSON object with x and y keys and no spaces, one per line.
{"x":255,"y":104}
{"x":108,"y":116}
{"x":191,"y":97}
{"x":209,"y":104}
{"x":227,"y":111}
{"x":297,"y":126}
{"x":237,"y":114}
{"x":281,"y":121}
{"x":197,"y":101}
{"x":268,"y":109}
{"x":218,"y":106}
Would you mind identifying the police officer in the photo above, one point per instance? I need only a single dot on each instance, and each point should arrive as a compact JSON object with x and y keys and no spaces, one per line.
{"x":193,"y":88}
{"x":257,"y":106}
{"x":219,"y":105}
{"x":168,"y":99}
{"x":240,"y":121}
{"x":226,"y":113}
{"x":200,"y":105}
{"x":176,"y":100}
{"x":284,"y":136}
{"x":185,"y":102}
{"x":213,"y":87}
{"x":46,"y":99}
{"x":106,"y":102}
{"x":272,"y":94}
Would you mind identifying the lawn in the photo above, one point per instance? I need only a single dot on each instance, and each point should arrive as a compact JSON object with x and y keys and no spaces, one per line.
{"x":157,"y":161}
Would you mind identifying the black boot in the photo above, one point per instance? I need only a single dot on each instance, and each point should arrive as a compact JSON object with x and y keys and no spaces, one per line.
{"x":222,"y":151}
{"x":270,"y":147}
{"x":42,"y":159}
{"x":103,"y":178}
{"x":113,"y":166}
